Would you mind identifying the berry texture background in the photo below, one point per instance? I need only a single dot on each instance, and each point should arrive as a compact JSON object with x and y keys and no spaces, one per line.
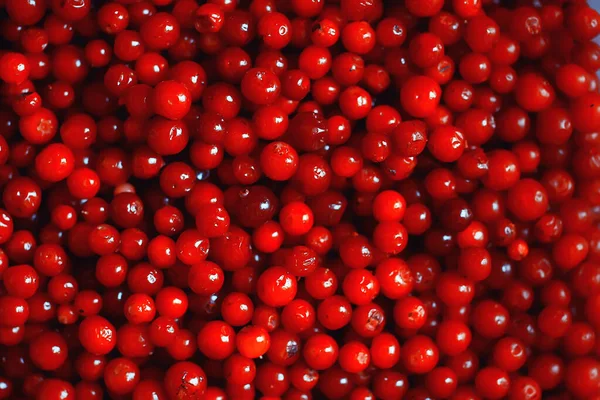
{"x":299,"y":199}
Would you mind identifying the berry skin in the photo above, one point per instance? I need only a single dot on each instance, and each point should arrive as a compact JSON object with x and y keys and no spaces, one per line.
{"x":296,"y":218}
{"x":216,"y":340}
{"x":209,"y":18}
{"x":39,"y":127}
{"x":55,"y":387}
{"x":55,"y":163}
{"x":585,"y":112}
{"x":21,"y":281}
{"x":15,"y":68}
{"x":97,"y":335}
{"x":355,"y":103}
{"x":253,"y":341}
{"x":453,"y":337}
{"x":492,"y":383}
{"x":420,"y":96}
{"x":358,"y":37}
{"x":426,"y":50}
{"x":527,"y":199}
{"x":446,"y":143}
{"x":320,"y":351}
{"x":354,"y":357}
{"x":260,"y":86}
{"x":419,"y":355}
{"x":185,"y":379}
{"x":410,"y":313}
{"x":424,"y":8}
{"x":171,"y":99}
{"x":276,"y":287}
{"x":534,"y":93}
{"x":48,"y":351}
{"x":160,"y":31}
{"x":274,"y":29}
{"x":395,"y":278}
{"x":572,"y":80}
{"x":279,"y":161}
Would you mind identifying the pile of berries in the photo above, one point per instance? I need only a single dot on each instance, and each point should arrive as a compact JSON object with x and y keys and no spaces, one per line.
{"x":299,"y":199}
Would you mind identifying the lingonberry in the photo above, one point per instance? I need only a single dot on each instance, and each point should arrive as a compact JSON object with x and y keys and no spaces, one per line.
{"x":441,"y":382}
{"x":509,"y":354}
{"x":15,"y":67}
{"x":237,"y":309}
{"x":260,"y":86}
{"x":160,"y":31}
{"x":475,"y":68}
{"x":490,"y":319}
{"x":97,"y":335}
{"x":492,"y":383}
{"x":163,"y":331}
{"x":534,"y":93}
{"x":334,"y":312}
{"x":185,"y":379}
{"x":285,"y":348}
{"x":171,"y":302}
{"x":420,"y":96}
{"x":419,"y":354}
{"x":20,"y":281}
{"x":291,"y":147}
{"x":320,"y":351}
{"x":279,"y":161}
{"x":517,"y":250}
{"x":183,"y":346}
{"x":55,"y":388}
{"x":209,"y":18}
{"x":275,"y":30}
{"x":410,"y":313}
{"x":39,"y":127}
{"x":453,"y":337}
{"x":191,"y":247}
{"x":139,"y":308}
{"x":395,"y":278}
{"x":48,"y":351}
{"x":276,"y":287}
{"x":270,"y":122}
{"x":360,"y":286}
{"x":171,"y":99}
{"x":268,"y":237}
{"x":357,"y":252}
{"x":298,"y":316}
{"x":321,"y":283}
{"x":216,"y":340}
{"x":239,"y":370}
{"x":252,"y":341}
{"x":354,"y":357}
{"x":426,"y":50}
{"x":296,"y":218}
{"x":481,"y":33}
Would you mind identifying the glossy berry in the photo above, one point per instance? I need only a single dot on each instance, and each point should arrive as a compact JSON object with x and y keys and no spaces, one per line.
{"x":171,"y":99}
{"x":420,"y":96}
